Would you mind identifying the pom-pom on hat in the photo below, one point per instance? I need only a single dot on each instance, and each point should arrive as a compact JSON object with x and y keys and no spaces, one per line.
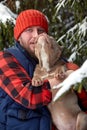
{"x":27,"y":19}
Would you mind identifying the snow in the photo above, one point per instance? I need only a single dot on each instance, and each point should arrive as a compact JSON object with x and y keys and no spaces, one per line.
{"x":60,"y":4}
{"x":83,"y":27}
{"x":6,"y":14}
{"x":17,"y":3}
{"x":82,"y":31}
{"x":75,"y":77}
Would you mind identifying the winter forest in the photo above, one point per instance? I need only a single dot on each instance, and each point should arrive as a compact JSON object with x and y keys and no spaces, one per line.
{"x":67,"y":24}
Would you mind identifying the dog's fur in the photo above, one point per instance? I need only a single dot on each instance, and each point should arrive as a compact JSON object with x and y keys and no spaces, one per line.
{"x":66,"y":113}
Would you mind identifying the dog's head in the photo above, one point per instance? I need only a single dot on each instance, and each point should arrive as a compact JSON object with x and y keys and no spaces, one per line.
{"x":47,"y":51}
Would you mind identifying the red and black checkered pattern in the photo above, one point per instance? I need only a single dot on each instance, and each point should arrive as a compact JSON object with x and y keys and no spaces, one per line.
{"x":15,"y":81}
{"x":82,"y":96}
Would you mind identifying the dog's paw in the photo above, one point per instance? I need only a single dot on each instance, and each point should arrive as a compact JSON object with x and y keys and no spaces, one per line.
{"x":37,"y":81}
{"x":60,"y":73}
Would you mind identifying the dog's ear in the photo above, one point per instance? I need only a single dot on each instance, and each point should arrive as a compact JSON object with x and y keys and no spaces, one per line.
{"x":61,"y":47}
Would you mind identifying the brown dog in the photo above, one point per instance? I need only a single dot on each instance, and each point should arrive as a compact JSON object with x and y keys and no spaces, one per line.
{"x":66,"y":113}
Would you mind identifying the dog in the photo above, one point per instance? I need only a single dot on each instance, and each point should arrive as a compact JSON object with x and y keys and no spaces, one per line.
{"x":66,"y":113}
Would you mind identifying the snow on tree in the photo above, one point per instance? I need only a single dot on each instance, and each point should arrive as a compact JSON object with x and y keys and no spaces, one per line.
{"x":74,"y":78}
{"x":6,"y":14}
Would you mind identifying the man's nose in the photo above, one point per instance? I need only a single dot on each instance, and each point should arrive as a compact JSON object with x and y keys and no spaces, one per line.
{"x":35,"y":33}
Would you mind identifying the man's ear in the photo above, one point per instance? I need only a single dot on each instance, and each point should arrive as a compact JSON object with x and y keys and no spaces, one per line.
{"x":19,"y":39}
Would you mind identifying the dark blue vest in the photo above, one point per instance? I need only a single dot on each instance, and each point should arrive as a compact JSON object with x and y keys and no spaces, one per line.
{"x":14,"y":116}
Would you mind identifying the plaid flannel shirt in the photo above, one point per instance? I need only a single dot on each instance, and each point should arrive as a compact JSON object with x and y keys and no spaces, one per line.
{"x":15,"y":81}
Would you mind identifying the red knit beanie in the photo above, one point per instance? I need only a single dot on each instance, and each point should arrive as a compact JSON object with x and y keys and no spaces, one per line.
{"x":27,"y":19}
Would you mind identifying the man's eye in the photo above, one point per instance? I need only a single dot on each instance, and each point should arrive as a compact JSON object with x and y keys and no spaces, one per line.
{"x":28,"y":30}
{"x":40,"y":31}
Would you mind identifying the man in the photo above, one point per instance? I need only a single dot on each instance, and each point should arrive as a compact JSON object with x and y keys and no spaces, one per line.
{"x":23,"y":106}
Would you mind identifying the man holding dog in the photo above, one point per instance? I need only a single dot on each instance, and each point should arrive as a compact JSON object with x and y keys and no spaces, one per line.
{"x":23,"y":106}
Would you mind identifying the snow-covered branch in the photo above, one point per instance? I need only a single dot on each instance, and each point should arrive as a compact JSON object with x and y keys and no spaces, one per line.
{"x":60,"y":4}
{"x":6,"y":14}
{"x":82,"y":28}
{"x":17,"y":3}
{"x":75,"y":77}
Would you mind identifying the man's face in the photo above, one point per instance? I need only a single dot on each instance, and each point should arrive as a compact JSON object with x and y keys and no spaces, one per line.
{"x":28,"y":37}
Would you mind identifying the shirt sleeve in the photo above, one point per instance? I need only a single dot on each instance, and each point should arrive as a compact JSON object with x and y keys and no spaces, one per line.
{"x":72,"y":66}
{"x":15,"y":81}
